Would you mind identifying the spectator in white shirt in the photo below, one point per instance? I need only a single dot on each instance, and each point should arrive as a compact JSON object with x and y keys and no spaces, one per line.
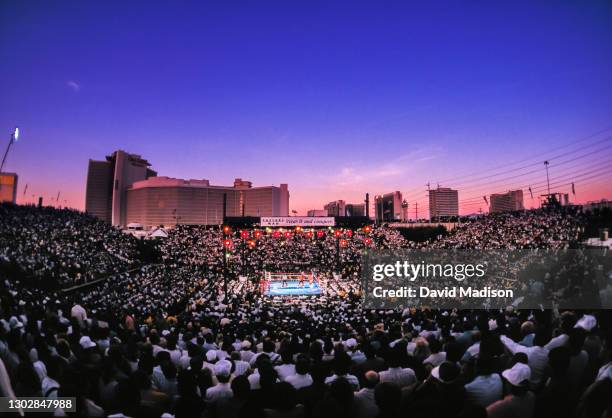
{"x":437,"y":356}
{"x":352,"y":349}
{"x":401,"y":377}
{"x":520,"y":402}
{"x":342,"y":363}
{"x":50,"y":384}
{"x":80,"y":314}
{"x":487,"y":387}
{"x":241,"y":367}
{"x":301,"y":378}
{"x":364,"y":402}
{"x":537,"y":356}
{"x":222,"y":390}
{"x":286,"y":368}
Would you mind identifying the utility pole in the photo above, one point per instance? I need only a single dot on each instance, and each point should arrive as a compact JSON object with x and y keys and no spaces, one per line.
{"x":546,"y":163}
{"x":416,"y":210}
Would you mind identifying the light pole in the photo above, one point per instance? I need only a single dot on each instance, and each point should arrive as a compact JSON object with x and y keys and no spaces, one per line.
{"x":14,"y":138}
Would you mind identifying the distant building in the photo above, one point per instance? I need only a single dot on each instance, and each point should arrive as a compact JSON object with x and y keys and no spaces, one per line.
{"x":335,"y":208}
{"x":599,"y":204}
{"x":124,"y":190}
{"x":354,"y":209}
{"x":170,"y":201}
{"x":341,"y":208}
{"x":8,"y":187}
{"x":389,"y":207}
{"x":555,"y":199}
{"x":404,"y":217}
{"x":443,"y":203}
{"x":506,"y":202}
{"x":108,"y":182}
{"x":317,"y":212}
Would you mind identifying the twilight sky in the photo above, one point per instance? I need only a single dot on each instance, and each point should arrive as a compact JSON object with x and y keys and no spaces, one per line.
{"x":336,"y":98}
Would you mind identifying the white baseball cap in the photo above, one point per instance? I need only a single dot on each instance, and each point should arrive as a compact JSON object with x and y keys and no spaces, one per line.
{"x":587,"y":322}
{"x":86,"y":342}
{"x":518,"y":374}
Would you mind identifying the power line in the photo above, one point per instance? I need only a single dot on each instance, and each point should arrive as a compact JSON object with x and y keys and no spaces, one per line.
{"x":540,"y":157}
{"x":578,"y":173}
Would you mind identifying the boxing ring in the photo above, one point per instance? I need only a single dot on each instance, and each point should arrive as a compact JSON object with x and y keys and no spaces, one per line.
{"x":290,"y":284}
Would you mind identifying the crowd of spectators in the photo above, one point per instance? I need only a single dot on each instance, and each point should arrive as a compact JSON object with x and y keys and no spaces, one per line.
{"x":63,"y":247}
{"x":168,"y":340}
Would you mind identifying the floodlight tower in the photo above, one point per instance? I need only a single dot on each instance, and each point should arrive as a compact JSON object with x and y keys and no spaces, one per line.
{"x":14,"y":138}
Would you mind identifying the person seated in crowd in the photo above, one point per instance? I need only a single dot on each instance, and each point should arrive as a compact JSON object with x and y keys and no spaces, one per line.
{"x":395,"y":374}
{"x":365,"y":401}
{"x":520,"y":401}
{"x":341,"y":367}
{"x":222,"y":390}
{"x":301,"y":378}
{"x":487,"y":386}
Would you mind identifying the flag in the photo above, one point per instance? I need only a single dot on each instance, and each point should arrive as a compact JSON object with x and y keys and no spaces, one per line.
{"x":530,"y":192}
{"x":485,"y":199}
{"x":573,"y":190}
{"x":25,"y":189}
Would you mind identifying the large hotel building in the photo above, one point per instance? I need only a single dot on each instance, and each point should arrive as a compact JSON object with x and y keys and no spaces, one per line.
{"x":506,"y":202}
{"x":123,"y":190}
{"x":389,"y":207}
{"x":443,"y":203}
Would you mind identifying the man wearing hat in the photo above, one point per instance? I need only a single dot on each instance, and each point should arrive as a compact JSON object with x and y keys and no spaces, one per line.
{"x":520,"y":402}
{"x":222,"y":390}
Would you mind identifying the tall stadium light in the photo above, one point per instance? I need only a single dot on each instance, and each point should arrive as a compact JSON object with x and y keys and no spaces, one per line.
{"x":14,"y":138}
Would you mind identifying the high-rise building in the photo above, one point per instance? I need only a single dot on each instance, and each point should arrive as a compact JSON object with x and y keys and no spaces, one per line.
{"x":123,"y":189}
{"x":316,"y":212}
{"x":354,"y":209}
{"x":108,"y":182}
{"x":335,"y":208}
{"x":389,"y":207}
{"x":170,"y":201}
{"x":8,"y":187}
{"x":506,"y":202}
{"x":443,"y":203}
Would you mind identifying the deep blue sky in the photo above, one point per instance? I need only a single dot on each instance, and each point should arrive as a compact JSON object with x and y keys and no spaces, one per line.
{"x":334,"y":98}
